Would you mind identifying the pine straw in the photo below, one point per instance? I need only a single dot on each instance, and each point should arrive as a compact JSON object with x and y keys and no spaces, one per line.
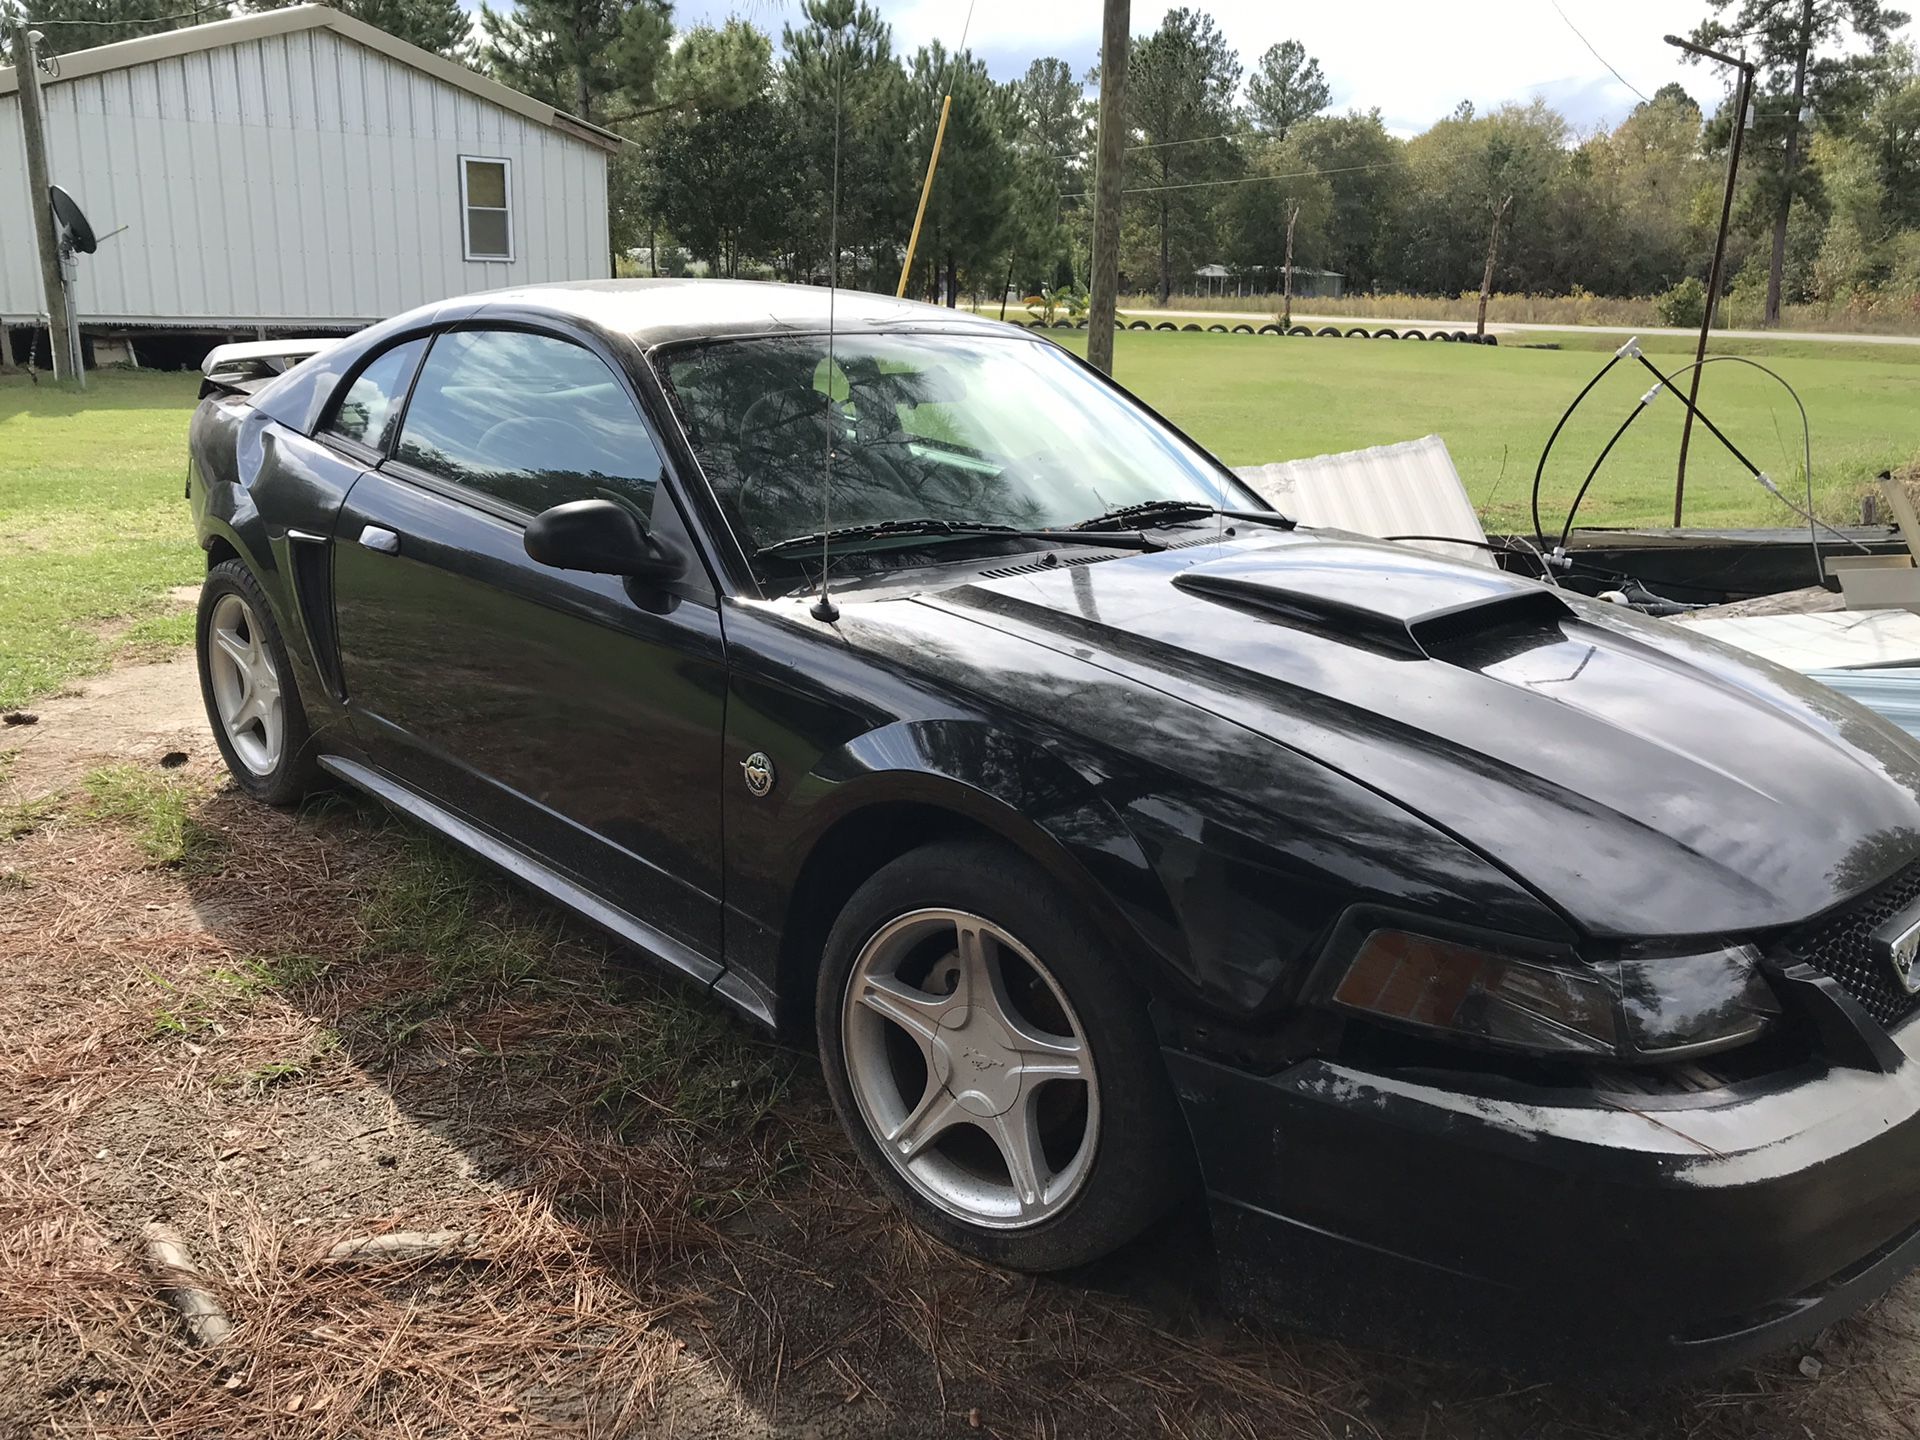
{"x":322,"y":1028}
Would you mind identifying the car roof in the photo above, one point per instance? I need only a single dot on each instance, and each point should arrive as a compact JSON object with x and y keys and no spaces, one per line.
{"x":644,"y":313}
{"x":661,"y":312}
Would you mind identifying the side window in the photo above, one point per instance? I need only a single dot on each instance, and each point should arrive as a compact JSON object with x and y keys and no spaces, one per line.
{"x":527,"y":419}
{"x":366,"y":412}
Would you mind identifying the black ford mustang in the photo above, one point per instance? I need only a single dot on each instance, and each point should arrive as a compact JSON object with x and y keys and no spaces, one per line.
{"x":1520,"y":978}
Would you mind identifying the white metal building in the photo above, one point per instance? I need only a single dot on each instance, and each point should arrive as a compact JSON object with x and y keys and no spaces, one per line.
{"x":293,"y":168}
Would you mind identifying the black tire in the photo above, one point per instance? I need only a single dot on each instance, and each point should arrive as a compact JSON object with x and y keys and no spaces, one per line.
{"x":1243,"y":329}
{"x":1330,"y":332}
{"x":297,"y":771}
{"x":1414,"y":335}
{"x":1216,"y":329}
{"x":1271,"y":330}
{"x":1142,"y":1160}
{"x":1386,"y":335}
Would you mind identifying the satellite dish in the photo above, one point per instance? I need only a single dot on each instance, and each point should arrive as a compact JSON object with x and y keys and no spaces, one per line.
{"x":75,"y":233}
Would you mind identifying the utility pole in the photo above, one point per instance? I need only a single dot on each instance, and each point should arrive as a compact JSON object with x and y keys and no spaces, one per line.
{"x":1493,"y":254}
{"x":1115,"y":37}
{"x":1286,"y":314}
{"x":1742,"y":97}
{"x":33,"y":124}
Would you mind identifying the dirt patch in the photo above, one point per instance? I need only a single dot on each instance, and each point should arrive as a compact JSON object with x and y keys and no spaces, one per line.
{"x":138,"y":714}
{"x":316,"y":1026}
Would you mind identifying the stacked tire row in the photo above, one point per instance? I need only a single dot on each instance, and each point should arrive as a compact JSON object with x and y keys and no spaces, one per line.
{"x":1357,"y":332}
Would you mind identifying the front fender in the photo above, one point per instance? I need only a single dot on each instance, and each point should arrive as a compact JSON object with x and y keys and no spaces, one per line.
{"x":1019,"y":790}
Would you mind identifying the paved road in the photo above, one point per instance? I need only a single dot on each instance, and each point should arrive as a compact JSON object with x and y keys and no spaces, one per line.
{"x":1262,"y":317}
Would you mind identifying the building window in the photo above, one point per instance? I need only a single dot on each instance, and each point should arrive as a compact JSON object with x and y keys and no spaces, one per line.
{"x":486,"y":198}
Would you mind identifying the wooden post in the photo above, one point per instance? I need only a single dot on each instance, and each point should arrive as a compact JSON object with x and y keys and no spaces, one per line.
{"x":1115,"y":39}
{"x":6,"y":345}
{"x":33,"y":125}
{"x":1286,"y":314}
{"x":1493,"y":252}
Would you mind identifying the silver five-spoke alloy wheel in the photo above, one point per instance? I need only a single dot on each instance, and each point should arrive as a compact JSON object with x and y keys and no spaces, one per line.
{"x":970,"y":1068}
{"x":246,"y":687}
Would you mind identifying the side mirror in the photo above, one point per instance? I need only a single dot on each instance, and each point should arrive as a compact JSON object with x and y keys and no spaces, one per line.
{"x":604,"y":538}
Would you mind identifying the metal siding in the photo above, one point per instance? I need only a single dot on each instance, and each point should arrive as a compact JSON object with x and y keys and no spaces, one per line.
{"x":294,"y":178}
{"x":1406,"y":489}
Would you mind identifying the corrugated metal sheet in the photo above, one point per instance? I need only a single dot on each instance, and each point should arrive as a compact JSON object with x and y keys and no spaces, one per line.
{"x":1825,"y":641}
{"x":290,"y":179}
{"x":1892,"y":691}
{"x":1406,"y":489}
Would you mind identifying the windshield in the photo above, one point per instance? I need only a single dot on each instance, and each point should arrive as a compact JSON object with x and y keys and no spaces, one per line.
{"x":960,"y":428}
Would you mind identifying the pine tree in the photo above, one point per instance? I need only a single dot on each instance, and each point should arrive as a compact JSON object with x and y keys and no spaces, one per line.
{"x":580,"y":55}
{"x":1181,"y":81}
{"x":1785,"y":38}
{"x":1285,"y":88}
{"x":437,"y":25}
{"x":840,"y":61}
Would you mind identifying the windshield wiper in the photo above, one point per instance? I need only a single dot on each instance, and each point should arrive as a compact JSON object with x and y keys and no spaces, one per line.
{"x":1172,"y":512}
{"x":958,"y":530}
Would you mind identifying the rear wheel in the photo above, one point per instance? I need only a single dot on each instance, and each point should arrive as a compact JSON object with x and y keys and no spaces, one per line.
{"x":993,"y":1065}
{"x":247,"y":683}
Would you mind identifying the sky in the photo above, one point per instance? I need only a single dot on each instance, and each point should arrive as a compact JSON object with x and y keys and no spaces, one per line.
{"x":1413,"y":59}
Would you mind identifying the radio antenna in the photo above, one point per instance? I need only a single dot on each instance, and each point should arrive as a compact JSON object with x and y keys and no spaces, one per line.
{"x":823,"y":607}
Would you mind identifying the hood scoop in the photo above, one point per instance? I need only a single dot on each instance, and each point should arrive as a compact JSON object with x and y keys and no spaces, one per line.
{"x":1396,"y":600}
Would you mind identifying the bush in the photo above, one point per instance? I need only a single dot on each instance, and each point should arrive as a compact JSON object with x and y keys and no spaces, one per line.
{"x":1684,"y":306}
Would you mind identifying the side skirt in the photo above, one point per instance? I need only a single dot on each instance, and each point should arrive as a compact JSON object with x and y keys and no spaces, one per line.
{"x":552,"y":884}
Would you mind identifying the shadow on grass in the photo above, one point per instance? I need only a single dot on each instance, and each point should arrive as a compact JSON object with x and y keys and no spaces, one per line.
{"x":700,"y":1170}
{"x":23,"y":393}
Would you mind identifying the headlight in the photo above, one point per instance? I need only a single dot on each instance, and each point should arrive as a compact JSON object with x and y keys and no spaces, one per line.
{"x":1641,"y":1008}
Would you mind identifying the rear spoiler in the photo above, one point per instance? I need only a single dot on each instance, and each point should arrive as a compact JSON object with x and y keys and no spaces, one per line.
{"x":243,"y":368}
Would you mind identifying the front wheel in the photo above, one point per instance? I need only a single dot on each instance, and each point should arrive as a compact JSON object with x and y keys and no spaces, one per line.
{"x":992,"y":1063}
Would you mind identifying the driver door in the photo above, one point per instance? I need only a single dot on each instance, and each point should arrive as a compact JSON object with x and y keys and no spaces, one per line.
{"x":571,"y":716}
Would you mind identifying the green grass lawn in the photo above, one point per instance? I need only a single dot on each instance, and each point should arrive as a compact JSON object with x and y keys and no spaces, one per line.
{"x":93,"y":526}
{"x":93,"y":529}
{"x":1253,"y":399}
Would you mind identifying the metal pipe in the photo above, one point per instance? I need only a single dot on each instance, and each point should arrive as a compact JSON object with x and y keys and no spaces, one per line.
{"x":1743,"y":94}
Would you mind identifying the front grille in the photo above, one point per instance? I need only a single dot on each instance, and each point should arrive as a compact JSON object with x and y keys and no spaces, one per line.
{"x":1840,"y":944}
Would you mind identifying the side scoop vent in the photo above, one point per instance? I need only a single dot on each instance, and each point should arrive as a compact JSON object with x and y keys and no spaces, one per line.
{"x":1404,"y":608}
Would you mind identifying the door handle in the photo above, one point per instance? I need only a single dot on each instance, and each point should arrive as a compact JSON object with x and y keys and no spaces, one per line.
{"x":375,"y":538}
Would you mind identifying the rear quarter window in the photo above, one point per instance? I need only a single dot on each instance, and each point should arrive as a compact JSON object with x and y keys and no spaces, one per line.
{"x":368,"y":405}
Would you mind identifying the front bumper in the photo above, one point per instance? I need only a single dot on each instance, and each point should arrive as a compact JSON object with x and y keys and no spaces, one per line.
{"x":1625,"y":1237}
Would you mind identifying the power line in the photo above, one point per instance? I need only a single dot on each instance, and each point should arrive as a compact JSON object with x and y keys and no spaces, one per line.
{"x":1596,"y":54}
{"x":138,"y":20}
{"x":1158,"y":145}
{"x":1242,"y":180}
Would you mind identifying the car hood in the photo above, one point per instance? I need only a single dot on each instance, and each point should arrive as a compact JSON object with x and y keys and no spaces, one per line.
{"x":1644,"y":781}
